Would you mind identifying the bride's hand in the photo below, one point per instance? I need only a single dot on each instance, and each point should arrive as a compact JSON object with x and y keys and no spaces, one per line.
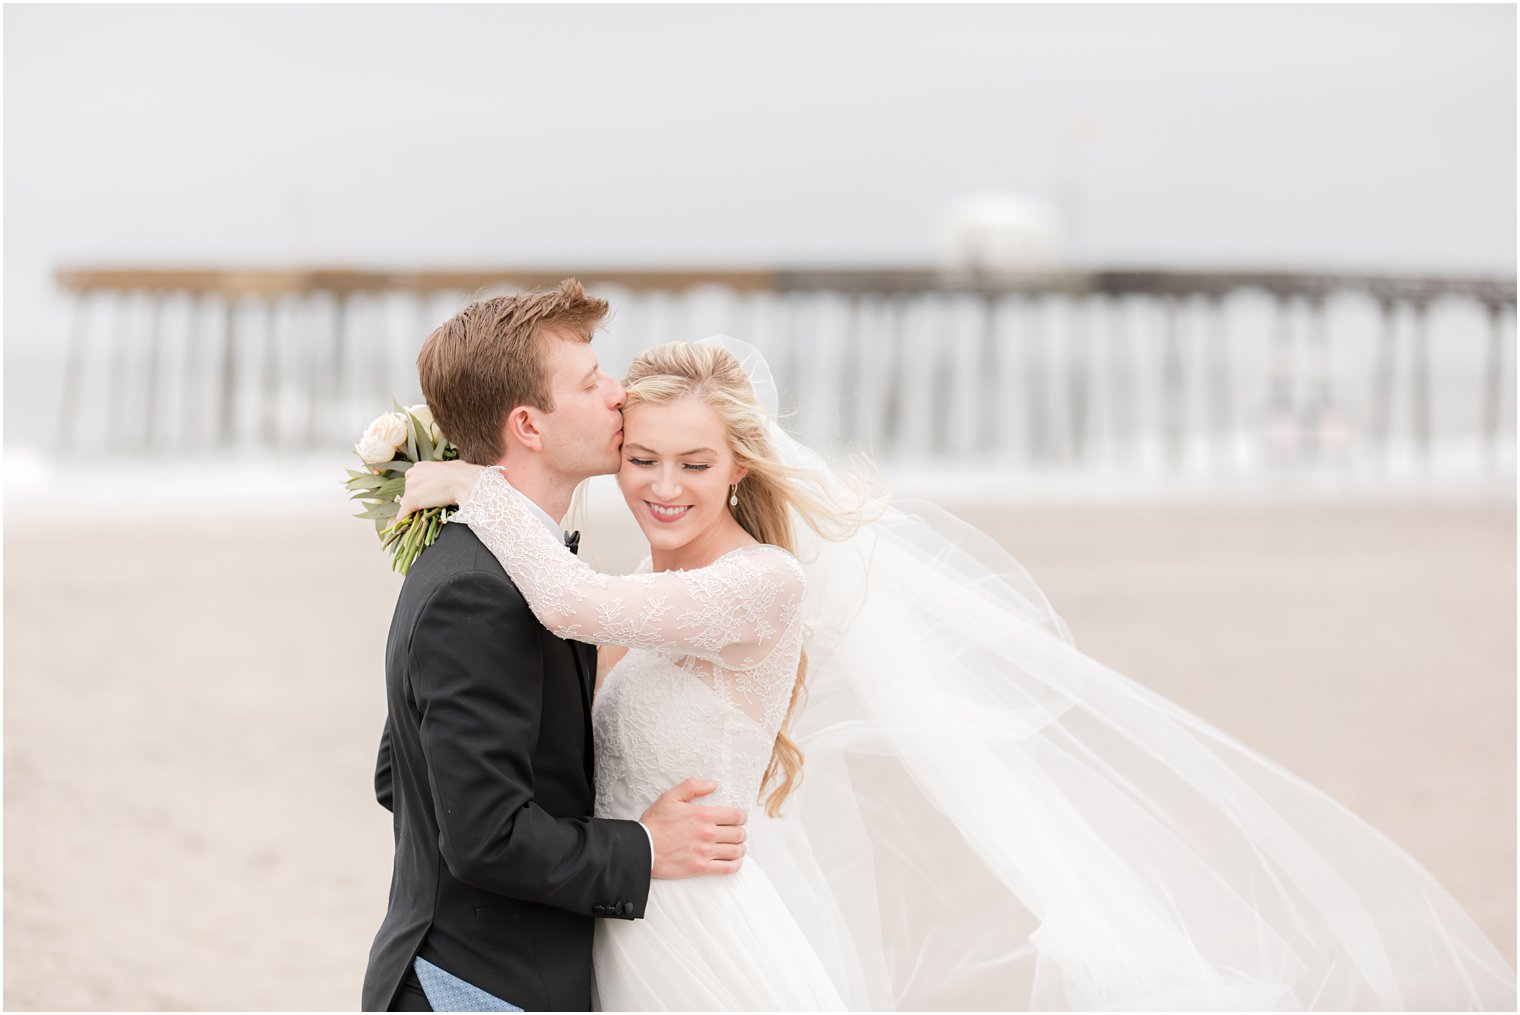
{"x":437,"y":484}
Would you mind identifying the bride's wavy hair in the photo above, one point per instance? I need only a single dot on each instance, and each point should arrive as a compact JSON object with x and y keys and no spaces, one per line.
{"x":770,"y":494}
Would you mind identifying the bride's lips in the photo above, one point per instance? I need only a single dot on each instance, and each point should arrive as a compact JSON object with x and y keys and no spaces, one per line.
{"x":667,"y":513}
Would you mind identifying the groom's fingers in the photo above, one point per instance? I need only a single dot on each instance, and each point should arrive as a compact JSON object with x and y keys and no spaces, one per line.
{"x":692,"y":788}
{"x":724,"y":816}
{"x":730,"y":833}
{"x":723,"y":866}
{"x":727,"y":851}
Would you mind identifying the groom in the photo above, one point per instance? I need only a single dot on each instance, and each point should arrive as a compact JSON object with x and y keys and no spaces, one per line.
{"x":486,"y":758}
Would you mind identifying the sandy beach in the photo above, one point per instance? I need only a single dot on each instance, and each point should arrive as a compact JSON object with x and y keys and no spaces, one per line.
{"x":192,"y":705}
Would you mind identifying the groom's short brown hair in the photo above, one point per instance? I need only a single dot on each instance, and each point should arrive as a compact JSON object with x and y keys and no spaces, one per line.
{"x":489,"y":358}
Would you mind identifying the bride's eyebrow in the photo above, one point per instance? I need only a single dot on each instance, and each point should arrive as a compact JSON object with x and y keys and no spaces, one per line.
{"x":684,"y":454}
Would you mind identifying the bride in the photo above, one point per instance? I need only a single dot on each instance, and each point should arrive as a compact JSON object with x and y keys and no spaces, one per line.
{"x":961,"y":810}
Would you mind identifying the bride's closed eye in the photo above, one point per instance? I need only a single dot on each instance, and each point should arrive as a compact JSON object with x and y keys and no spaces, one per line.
{"x":693,"y":466}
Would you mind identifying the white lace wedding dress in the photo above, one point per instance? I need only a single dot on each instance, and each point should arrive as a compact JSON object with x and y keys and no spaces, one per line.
{"x":701,"y":693}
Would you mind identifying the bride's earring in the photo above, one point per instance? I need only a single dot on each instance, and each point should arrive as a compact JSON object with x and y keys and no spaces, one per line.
{"x":733,"y":498}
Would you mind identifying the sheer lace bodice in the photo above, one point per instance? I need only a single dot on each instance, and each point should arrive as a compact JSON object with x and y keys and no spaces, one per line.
{"x":713,"y":653}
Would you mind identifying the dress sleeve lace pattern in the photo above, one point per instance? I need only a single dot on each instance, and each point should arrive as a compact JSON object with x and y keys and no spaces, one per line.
{"x":731,"y":614}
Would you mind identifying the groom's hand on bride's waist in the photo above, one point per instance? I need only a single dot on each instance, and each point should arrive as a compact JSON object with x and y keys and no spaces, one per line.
{"x":690,"y":840}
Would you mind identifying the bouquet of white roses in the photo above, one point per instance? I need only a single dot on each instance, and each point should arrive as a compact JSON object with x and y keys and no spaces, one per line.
{"x":392,"y":444}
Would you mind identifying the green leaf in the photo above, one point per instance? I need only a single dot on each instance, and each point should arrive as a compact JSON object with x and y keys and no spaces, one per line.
{"x":371,"y":482}
{"x":381,"y":511}
{"x":391,"y":488}
{"x":425,"y":449}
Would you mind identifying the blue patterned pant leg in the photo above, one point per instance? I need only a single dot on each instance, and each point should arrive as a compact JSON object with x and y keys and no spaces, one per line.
{"x":447,"y":992}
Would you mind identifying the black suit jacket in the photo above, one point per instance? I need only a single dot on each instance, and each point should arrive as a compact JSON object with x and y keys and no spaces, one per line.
{"x":485,"y":764}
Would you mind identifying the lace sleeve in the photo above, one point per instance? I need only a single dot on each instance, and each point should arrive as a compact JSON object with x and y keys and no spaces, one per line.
{"x":731,"y":613}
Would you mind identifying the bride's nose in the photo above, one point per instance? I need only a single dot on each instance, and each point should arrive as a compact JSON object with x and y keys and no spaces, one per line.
{"x":665,"y":488}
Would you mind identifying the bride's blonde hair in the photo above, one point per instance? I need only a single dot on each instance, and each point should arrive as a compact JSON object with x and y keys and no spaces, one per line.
{"x":770,"y":493}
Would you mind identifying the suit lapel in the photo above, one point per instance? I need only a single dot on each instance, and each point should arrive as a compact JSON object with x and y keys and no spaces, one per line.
{"x":585,"y":664}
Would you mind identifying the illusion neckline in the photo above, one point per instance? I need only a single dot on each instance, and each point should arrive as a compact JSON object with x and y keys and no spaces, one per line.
{"x":727,"y":553}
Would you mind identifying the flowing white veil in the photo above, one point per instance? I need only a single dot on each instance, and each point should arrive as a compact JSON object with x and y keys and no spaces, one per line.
{"x":989,"y":819}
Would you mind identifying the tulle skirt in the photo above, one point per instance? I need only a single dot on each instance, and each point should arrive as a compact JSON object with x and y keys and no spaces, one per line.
{"x":719,"y":943}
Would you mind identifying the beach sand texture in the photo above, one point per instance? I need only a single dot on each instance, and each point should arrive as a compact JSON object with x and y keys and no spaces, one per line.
{"x":192,"y":706}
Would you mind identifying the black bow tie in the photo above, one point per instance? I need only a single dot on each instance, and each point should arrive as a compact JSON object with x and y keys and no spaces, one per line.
{"x":573,"y":541}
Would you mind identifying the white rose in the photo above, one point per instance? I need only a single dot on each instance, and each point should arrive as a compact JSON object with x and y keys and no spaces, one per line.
{"x":390,"y":428}
{"x":425,"y":417}
{"x":374,"y":450}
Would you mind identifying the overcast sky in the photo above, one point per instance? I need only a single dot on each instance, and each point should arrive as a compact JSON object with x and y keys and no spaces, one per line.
{"x":1299,"y":136}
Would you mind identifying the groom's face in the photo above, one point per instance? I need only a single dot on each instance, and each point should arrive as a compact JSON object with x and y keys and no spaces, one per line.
{"x":583,"y":436}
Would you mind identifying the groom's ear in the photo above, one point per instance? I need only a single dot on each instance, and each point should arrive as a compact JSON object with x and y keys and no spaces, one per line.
{"x":521,"y":429}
